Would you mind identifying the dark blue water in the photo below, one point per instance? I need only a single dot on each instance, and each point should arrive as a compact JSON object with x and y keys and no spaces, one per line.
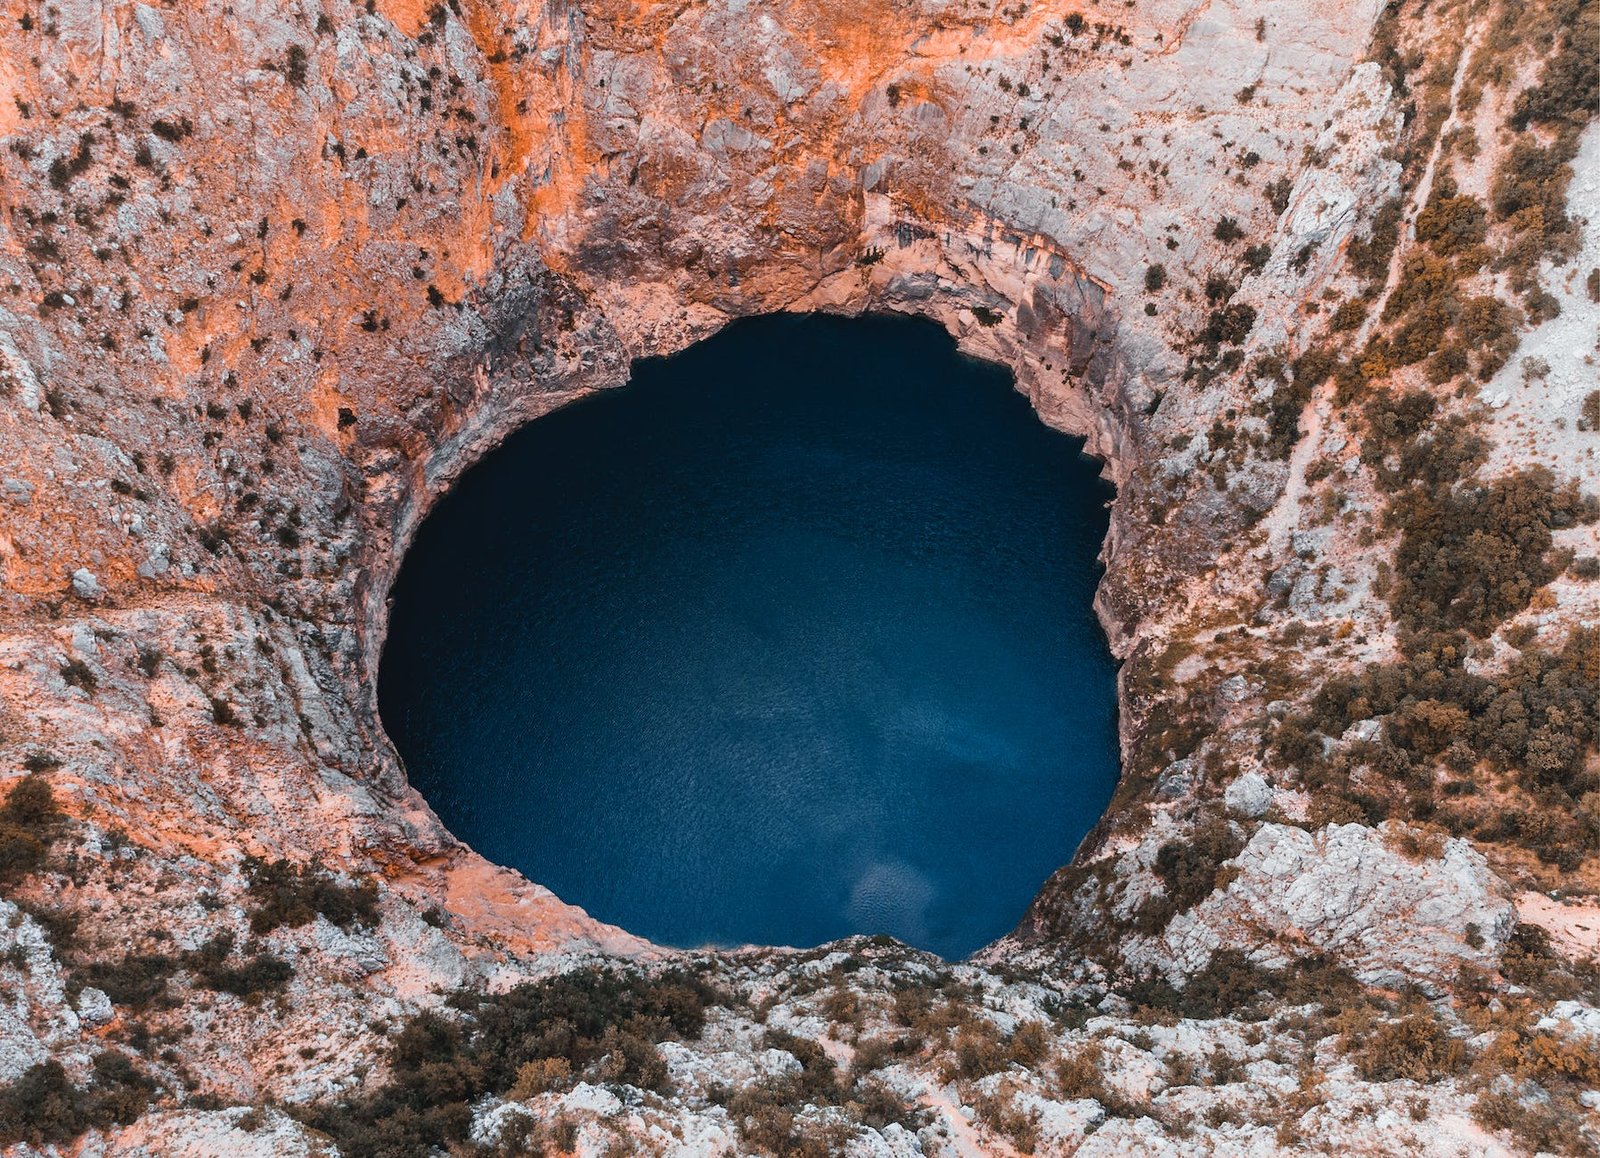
{"x":788,"y":639}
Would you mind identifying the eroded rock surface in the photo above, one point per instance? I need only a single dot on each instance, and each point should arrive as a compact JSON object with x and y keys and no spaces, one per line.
{"x":270,"y":278}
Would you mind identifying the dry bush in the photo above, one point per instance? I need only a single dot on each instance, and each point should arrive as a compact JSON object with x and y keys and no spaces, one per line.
{"x":1078,"y":1074}
{"x":540,"y":1076}
{"x":1414,"y":1048}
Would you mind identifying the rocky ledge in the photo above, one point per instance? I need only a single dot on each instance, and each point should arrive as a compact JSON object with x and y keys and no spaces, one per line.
{"x":1320,"y":284}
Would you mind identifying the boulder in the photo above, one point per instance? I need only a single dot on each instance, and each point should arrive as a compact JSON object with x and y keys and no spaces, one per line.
{"x":1358,"y":895}
{"x":1249,"y":796}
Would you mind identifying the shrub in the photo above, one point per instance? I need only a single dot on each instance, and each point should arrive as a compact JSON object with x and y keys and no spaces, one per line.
{"x":1029,"y":1044}
{"x":1348,"y":316}
{"x":1529,"y":190}
{"x":1569,"y":84}
{"x":1541,"y":1128}
{"x":1536,"y":720}
{"x":1590,"y":410}
{"x":172,"y":131}
{"x":1451,"y":223}
{"x":1078,"y":1074}
{"x":292,"y":895}
{"x":540,"y":1076}
{"x":1414,"y":1048}
{"x":1230,"y":325}
{"x":79,"y":675}
{"x":1369,"y":256}
{"x":1528,"y":956}
{"x":138,"y":980}
{"x":629,"y":1059}
{"x":1189,"y":867}
{"x":1288,"y":400}
{"x":44,"y":1107}
{"x":1256,"y":257}
{"x":1473,"y":556}
{"x":29,"y":820}
{"x":1155,"y":276}
{"x":64,"y":169}
{"x":294,"y":66}
{"x":1278,"y":191}
{"x":600,"y":1022}
{"x":261,"y":973}
{"x":977,"y":1051}
{"x":1227,"y":230}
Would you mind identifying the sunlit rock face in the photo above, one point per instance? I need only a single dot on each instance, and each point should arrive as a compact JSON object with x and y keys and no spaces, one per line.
{"x":272,"y":277}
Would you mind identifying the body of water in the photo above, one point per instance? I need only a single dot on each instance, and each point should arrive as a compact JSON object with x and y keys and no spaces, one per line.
{"x":788,"y":639}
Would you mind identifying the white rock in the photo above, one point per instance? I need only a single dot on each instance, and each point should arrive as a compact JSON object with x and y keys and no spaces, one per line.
{"x":1346,"y":892}
{"x":94,"y":1007}
{"x":1572,"y":1017}
{"x":1177,"y":780}
{"x":85,"y":585}
{"x":1362,"y":732}
{"x":1234,"y":688}
{"x":1249,"y":796}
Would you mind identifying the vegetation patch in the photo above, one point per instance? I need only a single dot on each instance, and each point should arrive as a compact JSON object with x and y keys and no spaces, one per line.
{"x":29,"y":822}
{"x":45,"y":1107}
{"x":597,"y":1024}
{"x":293,"y":895}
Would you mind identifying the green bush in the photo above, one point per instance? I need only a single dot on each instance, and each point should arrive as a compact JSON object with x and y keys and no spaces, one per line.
{"x":1228,"y":230}
{"x":137,"y":980}
{"x":1230,"y":325}
{"x":1472,"y":556}
{"x":1536,"y":720}
{"x":1589,"y":410}
{"x":1189,"y":867}
{"x":1369,"y":256}
{"x":1568,"y":90}
{"x":1348,"y":316}
{"x":260,"y":973}
{"x":1451,"y":223}
{"x":1278,"y":191}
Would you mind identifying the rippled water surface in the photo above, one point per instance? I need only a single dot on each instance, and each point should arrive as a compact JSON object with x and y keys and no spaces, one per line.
{"x":788,"y":639}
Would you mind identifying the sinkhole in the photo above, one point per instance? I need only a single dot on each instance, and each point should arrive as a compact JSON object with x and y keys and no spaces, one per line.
{"x":788,"y":639}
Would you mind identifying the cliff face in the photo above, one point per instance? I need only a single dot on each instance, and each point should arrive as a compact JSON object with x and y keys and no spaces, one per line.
{"x":271,"y":278}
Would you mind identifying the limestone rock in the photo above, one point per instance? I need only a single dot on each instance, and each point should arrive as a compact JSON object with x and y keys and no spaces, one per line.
{"x":1350,"y":892}
{"x":94,"y":1007}
{"x":1248,"y":796}
{"x":85,"y":586}
{"x":1177,"y":780}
